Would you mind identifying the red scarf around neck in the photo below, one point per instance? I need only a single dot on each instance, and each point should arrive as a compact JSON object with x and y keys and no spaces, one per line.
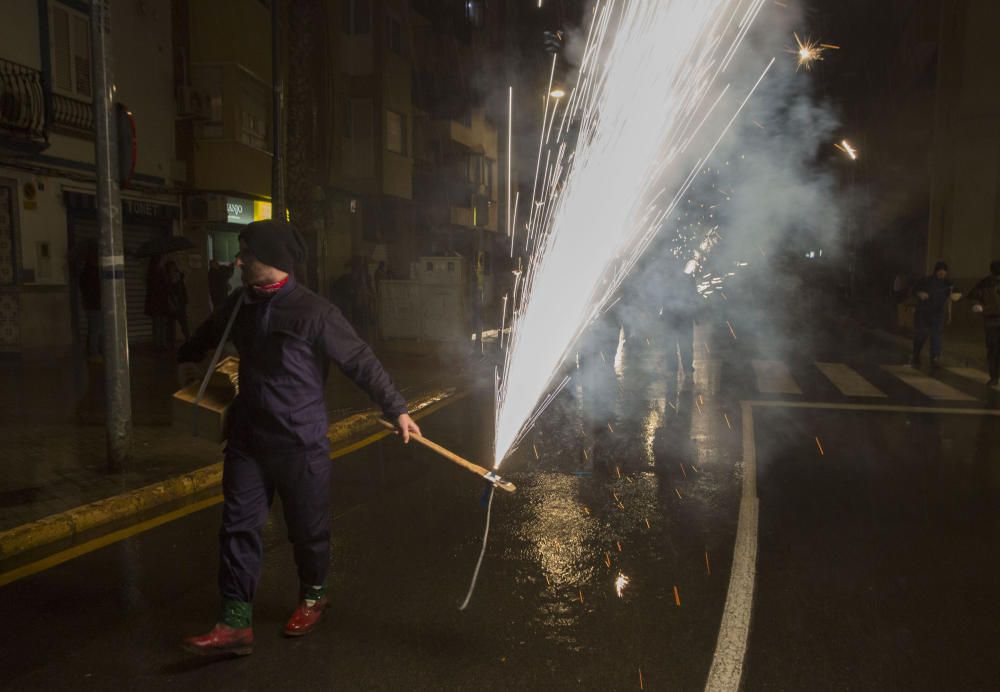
{"x":268,"y":290}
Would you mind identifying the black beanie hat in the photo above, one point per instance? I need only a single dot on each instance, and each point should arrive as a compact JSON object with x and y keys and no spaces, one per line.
{"x":941,"y":264}
{"x":275,"y":243}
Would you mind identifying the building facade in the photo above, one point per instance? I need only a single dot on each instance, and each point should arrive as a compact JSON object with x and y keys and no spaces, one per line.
{"x":47,"y":198}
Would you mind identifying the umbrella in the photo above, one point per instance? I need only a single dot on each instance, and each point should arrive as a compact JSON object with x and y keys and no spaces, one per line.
{"x":163,"y":245}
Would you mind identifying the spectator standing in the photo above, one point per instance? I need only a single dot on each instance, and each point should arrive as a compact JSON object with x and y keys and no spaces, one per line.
{"x":177,"y":300}
{"x":986,"y":302}
{"x":219,"y":276}
{"x":934,"y":295}
{"x":158,"y":301}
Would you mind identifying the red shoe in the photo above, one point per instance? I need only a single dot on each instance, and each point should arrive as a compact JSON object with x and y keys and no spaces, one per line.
{"x":223,"y":639}
{"x":306,"y":617}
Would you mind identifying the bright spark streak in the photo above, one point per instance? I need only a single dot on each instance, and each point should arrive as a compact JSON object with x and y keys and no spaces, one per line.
{"x":620,"y":583}
{"x":846,"y":147}
{"x":809,"y":51}
{"x":647,"y":85}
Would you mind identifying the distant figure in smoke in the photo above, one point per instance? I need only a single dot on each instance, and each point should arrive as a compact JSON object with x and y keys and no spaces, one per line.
{"x":680,"y":306}
{"x":599,"y":388}
{"x":986,"y":302}
{"x":219,"y":276}
{"x":934,"y":295}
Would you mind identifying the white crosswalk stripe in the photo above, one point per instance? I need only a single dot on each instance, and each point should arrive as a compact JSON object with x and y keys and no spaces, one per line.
{"x":974,"y":375}
{"x":848,"y":380}
{"x":926,"y":385}
{"x":774,"y":378}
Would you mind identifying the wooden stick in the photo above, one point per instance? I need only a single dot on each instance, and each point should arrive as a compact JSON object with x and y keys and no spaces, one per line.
{"x":483,"y":473}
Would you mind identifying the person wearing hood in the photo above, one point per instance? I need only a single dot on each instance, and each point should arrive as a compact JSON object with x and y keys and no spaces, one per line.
{"x":934,"y":295}
{"x":287,"y":337}
{"x":986,"y":302}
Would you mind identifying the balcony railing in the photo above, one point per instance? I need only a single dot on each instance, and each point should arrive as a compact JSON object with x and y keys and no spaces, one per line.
{"x":22,"y":102}
{"x":72,"y":113}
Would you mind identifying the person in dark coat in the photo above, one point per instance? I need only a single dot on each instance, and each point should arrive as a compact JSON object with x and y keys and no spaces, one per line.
{"x":177,"y":300}
{"x":90,"y":296}
{"x":286,"y":336}
{"x":986,"y":302}
{"x":219,"y":276}
{"x":934,"y":295}
{"x":158,"y":301}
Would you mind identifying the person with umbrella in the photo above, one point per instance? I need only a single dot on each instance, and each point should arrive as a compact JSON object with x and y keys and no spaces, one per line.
{"x":286,"y":336}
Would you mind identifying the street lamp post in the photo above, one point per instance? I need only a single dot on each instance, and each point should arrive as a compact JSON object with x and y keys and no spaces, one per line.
{"x":117,"y":380}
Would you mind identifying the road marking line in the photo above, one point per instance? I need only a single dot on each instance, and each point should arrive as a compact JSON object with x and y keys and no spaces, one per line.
{"x":773,"y":378}
{"x":121,"y":534}
{"x":102,"y":541}
{"x":726,"y":671}
{"x":928,"y":386}
{"x":848,"y":380}
{"x":730,"y":648}
{"x":973,"y":374}
{"x":708,"y":374}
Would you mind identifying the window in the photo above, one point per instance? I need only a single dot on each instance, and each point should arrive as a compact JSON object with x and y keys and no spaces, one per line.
{"x":70,"y":52}
{"x":255,"y":114}
{"x":356,"y":16}
{"x":395,"y":132}
{"x":393,"y":35}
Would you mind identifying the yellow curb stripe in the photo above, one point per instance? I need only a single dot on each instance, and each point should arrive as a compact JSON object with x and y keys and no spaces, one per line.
{"x":113,"y":537}
{"x":60,"y":530}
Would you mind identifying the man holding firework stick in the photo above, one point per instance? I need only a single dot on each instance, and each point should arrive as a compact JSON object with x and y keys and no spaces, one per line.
{"x":286,"y":337}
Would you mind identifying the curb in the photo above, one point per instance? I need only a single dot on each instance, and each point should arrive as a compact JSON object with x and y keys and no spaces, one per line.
{"x":68,"y":524}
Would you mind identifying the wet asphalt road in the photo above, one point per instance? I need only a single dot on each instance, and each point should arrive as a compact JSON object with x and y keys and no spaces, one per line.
{"x":876,"y":568}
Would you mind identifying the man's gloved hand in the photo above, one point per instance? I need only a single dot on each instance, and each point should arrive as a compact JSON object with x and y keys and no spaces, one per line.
{"x":977,"y":308}
{"x":188,"y":373}
{"x":923,"y":295}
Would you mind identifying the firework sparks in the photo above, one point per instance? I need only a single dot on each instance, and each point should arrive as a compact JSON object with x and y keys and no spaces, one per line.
{"x":649,"y":88}
{"x":677,"y":597}
{"x":820,"y":446}
{"x":642,"y":684}
{"x":728,"y":424}
{"x":809,"y":51}
{"x":731,"y":330}
{"x":621,"y":581}
{"x":846,"y":147}
{"x":607,"y":559}
{"x":708,"y":565}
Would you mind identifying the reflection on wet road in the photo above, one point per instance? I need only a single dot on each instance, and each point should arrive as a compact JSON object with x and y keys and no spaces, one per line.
{"x":608,"y":567}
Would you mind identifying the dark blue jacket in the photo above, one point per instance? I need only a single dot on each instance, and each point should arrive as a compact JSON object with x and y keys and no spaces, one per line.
{"x":939,"y":292}
{"x":286,"y":344}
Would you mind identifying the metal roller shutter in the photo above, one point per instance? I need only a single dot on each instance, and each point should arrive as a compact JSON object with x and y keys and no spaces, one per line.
{"x":140,"y":325}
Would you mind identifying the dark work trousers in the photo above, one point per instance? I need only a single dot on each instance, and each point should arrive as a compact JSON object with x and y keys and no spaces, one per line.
{"x":993,"y":346}
{"x":302,"y":479}
{"x":927,"y":326}
{"x":680,"y":337}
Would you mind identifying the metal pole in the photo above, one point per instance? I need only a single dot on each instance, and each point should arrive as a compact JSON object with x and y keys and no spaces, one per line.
{"x":118,"y":402}
{"x":278,"y":131}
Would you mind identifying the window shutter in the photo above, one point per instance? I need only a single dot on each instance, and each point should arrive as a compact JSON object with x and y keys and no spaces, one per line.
{"x":62,"y":69}
{"x":81,"y":56}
